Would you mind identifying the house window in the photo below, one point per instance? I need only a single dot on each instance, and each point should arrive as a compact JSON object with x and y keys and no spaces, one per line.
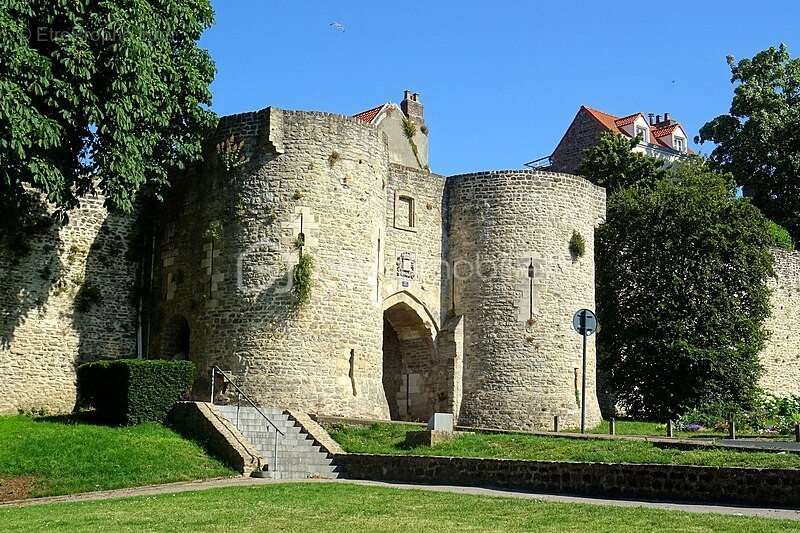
{"x":680,"y":144}
{"x":404,"y":212}
{"x":641,"y":132}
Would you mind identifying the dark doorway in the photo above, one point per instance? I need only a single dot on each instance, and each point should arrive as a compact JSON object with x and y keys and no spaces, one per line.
{"x":409,"y":371}
{"x":175,"y":339}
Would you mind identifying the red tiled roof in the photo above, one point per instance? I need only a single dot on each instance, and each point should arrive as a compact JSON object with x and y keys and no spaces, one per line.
{"x":369,"y":115}
{"x":664,"y":130}
{"x":609,"y":121}
{"x":614,"y":123}
{"x":624,"y":121}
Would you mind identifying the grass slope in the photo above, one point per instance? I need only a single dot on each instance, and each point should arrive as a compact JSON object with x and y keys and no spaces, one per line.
{"x":322,"y":507}
{"x":388,"y":439}
{"x":64,"y":458}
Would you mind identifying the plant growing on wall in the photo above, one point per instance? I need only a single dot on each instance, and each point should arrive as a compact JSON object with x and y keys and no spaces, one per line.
{"x":577,"y":245}
{"x":213,"y":234}
{"x":231,"y":154}
{"x":410,"y":129}
{"x":214,"y":231}
{"x":302,"y":279}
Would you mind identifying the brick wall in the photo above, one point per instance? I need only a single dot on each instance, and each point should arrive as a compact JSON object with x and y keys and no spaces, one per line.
{"x":583,"y":133}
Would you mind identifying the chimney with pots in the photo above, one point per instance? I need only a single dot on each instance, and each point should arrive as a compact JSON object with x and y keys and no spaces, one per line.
{"x":651,"y":116}
{"x":412,"y":107}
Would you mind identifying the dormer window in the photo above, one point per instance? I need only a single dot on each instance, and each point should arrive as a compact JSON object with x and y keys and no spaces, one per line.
{"x":642,"y":133}
{"x":679,"y":144}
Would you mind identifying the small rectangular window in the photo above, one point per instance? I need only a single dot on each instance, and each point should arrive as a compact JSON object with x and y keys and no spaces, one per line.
{"x":641,"y":132}
{"x":679,"y":144}
{"x":404,"y":212}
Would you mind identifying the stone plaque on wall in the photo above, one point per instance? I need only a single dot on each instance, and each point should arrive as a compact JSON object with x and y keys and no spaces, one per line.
{"x":406,"y":268}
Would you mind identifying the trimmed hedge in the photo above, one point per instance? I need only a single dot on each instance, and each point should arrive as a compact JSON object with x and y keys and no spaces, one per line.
{"x":131,"y":391}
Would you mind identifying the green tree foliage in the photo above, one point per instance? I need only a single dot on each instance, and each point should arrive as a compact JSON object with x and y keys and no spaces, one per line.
{"x":758,"y":141}
{"x":99,"y":97}
{"x":682,"y":293}
{"x":780,"y":237}
{"x":613,"y":164}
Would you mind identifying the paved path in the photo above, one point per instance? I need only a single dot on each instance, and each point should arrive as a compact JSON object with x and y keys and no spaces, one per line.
{"x":170,"y":488}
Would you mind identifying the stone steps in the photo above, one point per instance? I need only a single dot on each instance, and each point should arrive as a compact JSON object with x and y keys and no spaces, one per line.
{"x":299,"y":455}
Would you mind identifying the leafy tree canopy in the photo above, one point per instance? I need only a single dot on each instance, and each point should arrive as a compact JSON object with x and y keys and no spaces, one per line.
{"x":758,"y":141}
{"x":99,"y":97}
{"x":682,"y":293}
{"x":613,"y":164}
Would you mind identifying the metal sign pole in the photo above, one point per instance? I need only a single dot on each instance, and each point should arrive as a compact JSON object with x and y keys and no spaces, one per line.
{"x":583,"y":384}
{"x":584,"y":322}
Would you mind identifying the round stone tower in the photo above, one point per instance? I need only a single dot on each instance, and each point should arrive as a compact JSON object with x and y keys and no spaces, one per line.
{"x":517,"y":282}
{"x":285,"y":185}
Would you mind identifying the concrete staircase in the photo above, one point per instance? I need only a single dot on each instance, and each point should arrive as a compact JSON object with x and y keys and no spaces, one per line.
{"x":299,"y":455}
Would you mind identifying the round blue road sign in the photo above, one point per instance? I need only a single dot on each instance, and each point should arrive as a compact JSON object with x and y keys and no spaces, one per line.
{"x":584,"y":322}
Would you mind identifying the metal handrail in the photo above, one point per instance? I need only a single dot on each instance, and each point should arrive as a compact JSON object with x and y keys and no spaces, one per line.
{"x":241,"y":393}
{"x":542,"y":162}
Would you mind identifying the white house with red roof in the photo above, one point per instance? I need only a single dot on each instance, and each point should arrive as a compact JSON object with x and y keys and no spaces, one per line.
{"x":397,"y":122}
{"x":659,"y":136}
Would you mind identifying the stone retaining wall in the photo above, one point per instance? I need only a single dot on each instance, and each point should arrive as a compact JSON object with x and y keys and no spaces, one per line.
{"x":752,"y":486}
{"x":202,"y":423}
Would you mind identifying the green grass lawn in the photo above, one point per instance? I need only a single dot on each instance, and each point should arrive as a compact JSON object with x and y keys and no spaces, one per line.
{"x":321,"y":507}
{"x":388,"y":439}
{"x":64,"y":458}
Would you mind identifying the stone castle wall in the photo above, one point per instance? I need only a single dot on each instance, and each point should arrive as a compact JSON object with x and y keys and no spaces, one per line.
{"x":318,"y":174}
{"x":522,"y":360}
{"x":426,"y":240}
{"x":781,"y":355}
{"x":68,"y":298}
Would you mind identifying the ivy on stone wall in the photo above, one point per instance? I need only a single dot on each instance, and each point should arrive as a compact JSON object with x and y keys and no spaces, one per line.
{"x":577,"y":245}
{"x":302,"y":279}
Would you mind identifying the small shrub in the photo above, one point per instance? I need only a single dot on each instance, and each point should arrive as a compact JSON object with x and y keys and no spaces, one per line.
{"x":770,"y":414}
{"x":780,"y":236}
{"x":132,"y":391}
{"x":409,"y":128}
{"x":577,"y":245}
{"x":424,"y":129}
{"x":302,"y":279}
{"x":231,"y":154}
{"x":712,"y":415}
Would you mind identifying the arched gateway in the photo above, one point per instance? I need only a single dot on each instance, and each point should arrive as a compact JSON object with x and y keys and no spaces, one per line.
{"x":417,"y":380}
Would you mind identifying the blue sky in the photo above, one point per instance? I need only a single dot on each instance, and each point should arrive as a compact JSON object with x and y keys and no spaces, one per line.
{"x":500,"y":80}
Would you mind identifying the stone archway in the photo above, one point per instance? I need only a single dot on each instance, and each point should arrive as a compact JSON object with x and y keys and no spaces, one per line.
{"x":175,"y":338}
{"x":411,"y":378}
